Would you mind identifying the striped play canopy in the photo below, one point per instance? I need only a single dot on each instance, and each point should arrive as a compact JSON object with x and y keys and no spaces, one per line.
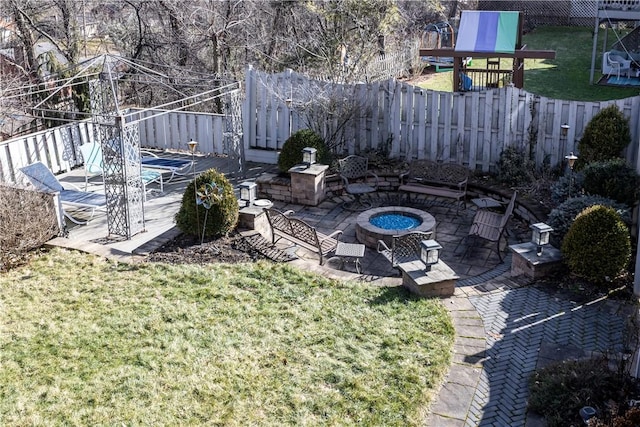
{"x":487,"y":31}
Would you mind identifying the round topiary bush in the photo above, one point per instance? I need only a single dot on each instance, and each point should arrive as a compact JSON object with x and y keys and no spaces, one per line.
{"x":561,"y":217}
{"x":291,"y":153}
{"x":605,"y":136}
{"x":614,"y":179}
{"x":597,"y":245}
{"x":216,"y":192}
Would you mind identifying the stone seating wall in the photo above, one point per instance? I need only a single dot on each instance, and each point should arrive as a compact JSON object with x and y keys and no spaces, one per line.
{"x":278,"y":188}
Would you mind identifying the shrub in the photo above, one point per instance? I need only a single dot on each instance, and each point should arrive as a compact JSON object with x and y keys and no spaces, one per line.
{"x":291,"y":153}
{"x":515,"y":168}
{"x":605,"y":136}
{"x":613,"y":179}
{"x":630,"y":418}
{"x":223,"y":213}
{"x":566,"y":186}
{"x":561,"y":218}
{"x":27,"y":220}
{"x":597,"y":245}
{"x":559,"y":391}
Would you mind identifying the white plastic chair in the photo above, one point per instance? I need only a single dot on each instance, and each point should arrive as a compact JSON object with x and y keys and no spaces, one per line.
{"x":615,"y":64}
{"x":92,"y":155}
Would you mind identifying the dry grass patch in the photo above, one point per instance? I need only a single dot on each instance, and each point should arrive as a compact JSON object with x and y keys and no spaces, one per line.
{"x":88,"y":342}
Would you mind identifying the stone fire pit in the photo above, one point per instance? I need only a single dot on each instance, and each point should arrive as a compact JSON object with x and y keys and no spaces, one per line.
{"x":369,"y":234}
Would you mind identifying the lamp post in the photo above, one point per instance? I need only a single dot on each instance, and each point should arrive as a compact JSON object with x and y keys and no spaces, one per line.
{"x":192,"y":148}
{"x":571,"y":159}
{"x":309,"y":156}
{"x":289,"y":103}
{"x":540,"y":236}
{"x":247,"y":192}
{"x":429,"y":253}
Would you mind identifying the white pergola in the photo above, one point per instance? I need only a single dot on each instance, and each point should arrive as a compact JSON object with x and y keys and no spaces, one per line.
{"x":112,"y":84}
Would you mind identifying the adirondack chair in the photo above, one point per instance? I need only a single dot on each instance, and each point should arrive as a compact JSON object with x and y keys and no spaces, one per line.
{"x":491,"y":226}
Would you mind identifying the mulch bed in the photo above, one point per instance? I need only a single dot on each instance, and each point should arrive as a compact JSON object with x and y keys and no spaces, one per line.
{"x":232,"y":249}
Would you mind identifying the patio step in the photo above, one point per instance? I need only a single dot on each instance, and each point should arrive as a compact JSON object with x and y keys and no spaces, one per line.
{"x":266,"y":248}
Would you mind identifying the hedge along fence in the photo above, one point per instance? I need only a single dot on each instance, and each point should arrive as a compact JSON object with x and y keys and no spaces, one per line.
{"x":408,"y":122}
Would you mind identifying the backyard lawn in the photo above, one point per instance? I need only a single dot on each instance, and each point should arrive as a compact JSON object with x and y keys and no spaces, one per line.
{"x":566,"y":76}
{"x":88,"y":342}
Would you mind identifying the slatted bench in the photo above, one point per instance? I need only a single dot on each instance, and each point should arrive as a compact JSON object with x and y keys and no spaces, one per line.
{"x":447,"y":180}
{"x":301,"y":233}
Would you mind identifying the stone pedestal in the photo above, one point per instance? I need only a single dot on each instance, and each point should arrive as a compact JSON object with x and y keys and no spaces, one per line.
{"x":307,"y":184}
{"x":254,"y":218}
{"x":526,"y":261}
{"x":440,"y":281}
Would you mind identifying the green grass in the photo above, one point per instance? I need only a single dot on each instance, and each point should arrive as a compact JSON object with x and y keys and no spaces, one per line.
{"x":88,"y":342}
{"x":566,"y":76}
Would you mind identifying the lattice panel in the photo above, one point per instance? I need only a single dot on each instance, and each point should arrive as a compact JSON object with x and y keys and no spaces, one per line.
{"x":134,"y":187}
{"x":103,"y":103}
{"x":542,"y":12}
{"x":121,"y":161}
{"x":233,"y":132}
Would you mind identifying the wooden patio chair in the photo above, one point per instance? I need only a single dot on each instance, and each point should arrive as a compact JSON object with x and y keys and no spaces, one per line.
{"x":491,"y":226}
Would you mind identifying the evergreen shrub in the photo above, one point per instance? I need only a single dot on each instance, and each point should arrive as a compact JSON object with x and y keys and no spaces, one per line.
{"x":567,"y":186}
{"x":558,"y":391}
{"x":597,"y":245}
{"x":291,"y":153}
{"x":515,"y":168}
{"x":613,"y":179}
{"x":605,"y":136}
{"x":214,"y":190}
{"x":562,"y":216}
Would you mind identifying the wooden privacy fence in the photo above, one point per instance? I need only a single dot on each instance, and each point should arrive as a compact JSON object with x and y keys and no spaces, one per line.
{"x":408,"y":122}
{"x":398,"y":119}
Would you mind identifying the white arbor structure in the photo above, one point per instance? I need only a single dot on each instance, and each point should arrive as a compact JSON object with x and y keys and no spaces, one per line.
{"x":122,"y":94}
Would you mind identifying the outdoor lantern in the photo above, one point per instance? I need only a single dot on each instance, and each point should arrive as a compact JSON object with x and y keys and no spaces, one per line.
{"x":309,"y":156}
{"x":429,"y":253}
{"x":192,"y":146}
{"x":288,"y":102}
{"x":540,"y":235}
{"x":564,"y":129}
{"x":571,"y":159}
{"x":248,"y":192}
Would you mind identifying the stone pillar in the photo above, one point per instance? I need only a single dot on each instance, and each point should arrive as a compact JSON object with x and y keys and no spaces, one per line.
{"x":254,"y":218}
{"x":307,"y":184}
{"x":526,"y":261}
{"x":440,"y":281}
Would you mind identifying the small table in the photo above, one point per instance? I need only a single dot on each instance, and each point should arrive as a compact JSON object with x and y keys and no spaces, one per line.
{"x":486,"y":203}
{"x":350,"y":252}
